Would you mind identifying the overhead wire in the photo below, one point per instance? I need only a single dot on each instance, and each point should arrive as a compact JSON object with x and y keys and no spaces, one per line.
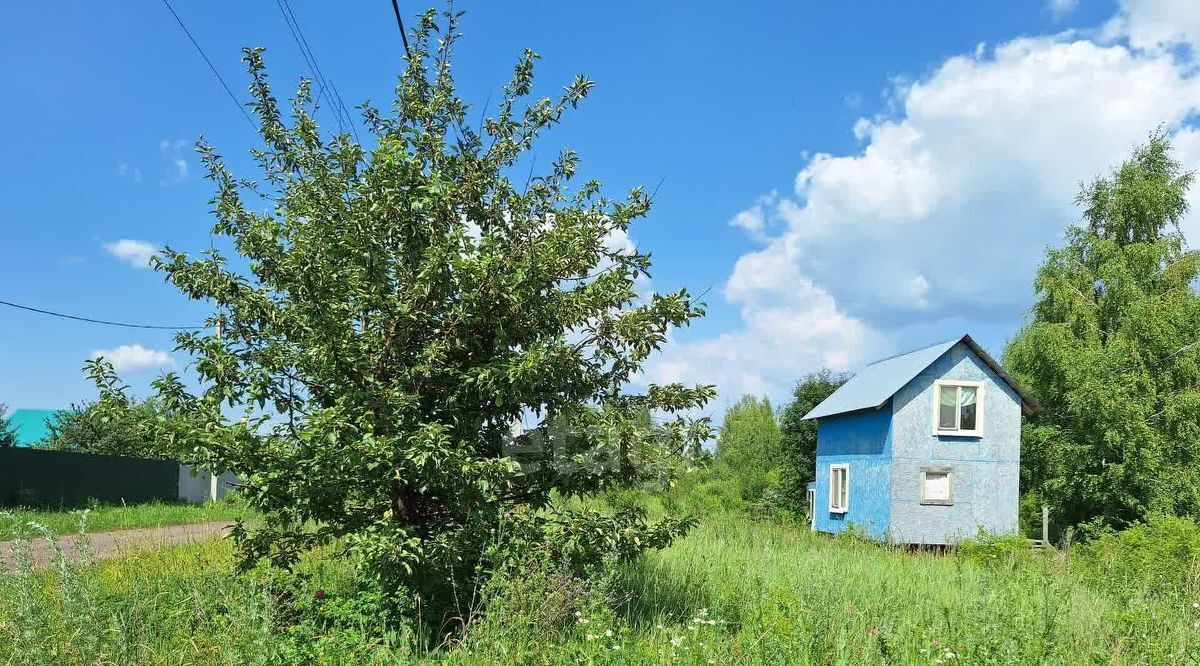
{"x":92,"y":320}
{"x":400,"y":24}
{"x":315,"y":68}
{"x":241,"y":107}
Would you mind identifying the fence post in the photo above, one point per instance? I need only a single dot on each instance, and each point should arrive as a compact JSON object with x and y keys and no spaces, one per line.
{"x":1045,"y":526}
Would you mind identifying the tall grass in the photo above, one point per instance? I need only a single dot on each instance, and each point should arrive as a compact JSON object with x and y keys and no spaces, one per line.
{"x":733,"y":592}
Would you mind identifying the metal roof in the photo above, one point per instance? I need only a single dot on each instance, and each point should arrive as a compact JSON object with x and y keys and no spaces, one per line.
{"x":878,"y":382}
{"x":32,"y":425}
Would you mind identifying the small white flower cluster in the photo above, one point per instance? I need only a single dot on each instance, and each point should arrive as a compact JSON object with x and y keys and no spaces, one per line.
{"x":948,"y":655}
{"x":943,"y":653}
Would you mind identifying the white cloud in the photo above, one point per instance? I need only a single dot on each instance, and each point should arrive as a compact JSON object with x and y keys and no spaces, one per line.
{"x":135,"y":357}
{"x":945,"y":212}
{"x":1061,"y":8}
{"x":1154,"y":24}
{"x":136,"y":253}
{"x":175,"y":166}
{"x":126,"y":170}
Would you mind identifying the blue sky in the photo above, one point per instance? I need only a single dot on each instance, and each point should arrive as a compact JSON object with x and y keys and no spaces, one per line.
{"x":847,"y":179}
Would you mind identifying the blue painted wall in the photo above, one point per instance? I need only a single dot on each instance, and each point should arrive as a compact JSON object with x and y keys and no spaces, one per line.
{"x":864,"y":441}
{"x":985,"y":469}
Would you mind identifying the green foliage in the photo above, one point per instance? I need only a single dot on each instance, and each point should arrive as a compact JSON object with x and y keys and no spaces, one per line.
{"x":799,"y":437}
{"x":8,"y":435}
{"x":1155,"y":559}
{"x":91,"y":428}
{"x":1112,"y":356}
{"x":388,"y":311}
{"x":748,"y":446}
{"x":1005,"y":551}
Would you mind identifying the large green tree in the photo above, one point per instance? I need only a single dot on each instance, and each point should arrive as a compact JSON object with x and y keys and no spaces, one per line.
{"x":799,"y":437}
{"x":748,"y":446}
{"x":391,"y":308}
{"x":1112,"y":353}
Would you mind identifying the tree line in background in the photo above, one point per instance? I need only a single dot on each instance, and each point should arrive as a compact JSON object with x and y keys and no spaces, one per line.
{"x":1111,"y":351}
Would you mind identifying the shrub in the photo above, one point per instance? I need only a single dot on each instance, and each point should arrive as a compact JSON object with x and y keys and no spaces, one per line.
{"x":1008,"y":551}
{"x":1160,"y":556}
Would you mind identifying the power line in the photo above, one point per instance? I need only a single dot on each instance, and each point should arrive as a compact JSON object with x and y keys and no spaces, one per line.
{"x":321,"y":89}
{"x":316,"y":70}
{"x":98,"y":321}
{"x":211,"y":66}
{"x":400,"y":23}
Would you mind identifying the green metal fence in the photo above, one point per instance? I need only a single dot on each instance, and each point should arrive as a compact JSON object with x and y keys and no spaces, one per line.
{"x":34,"y":477}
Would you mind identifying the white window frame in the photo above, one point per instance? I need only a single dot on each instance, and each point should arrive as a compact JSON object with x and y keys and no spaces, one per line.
{"x":980,"y":412}
{"x":811,"y":494}
{"x":833,"y":506}
{"x":949,"y":472}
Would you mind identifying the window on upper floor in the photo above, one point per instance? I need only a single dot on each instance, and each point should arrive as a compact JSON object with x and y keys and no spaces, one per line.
{"x":937,"y":485}
{"x":958,"y":408}
{"x":839,"y":488}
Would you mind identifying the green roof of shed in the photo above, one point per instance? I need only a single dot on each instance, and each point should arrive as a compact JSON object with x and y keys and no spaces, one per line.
{"x":32,"y":425}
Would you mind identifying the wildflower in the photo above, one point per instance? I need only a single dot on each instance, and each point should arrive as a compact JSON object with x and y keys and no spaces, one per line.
{"x":608,"y":633}
{"x":584,"y":620}
{"x":616,"y":646}
{"x":676,"y":641}
{"x":1196,"y":605}
{"x":873,"y":631}
{"x":592,"y":637}
{"x":319,"y":595}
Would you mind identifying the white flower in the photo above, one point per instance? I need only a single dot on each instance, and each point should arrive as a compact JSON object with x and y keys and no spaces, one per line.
{"x":608,"y":633}
{"x":676,"y":641}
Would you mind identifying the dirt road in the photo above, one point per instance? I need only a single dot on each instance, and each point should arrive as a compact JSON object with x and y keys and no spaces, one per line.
{"x":107,"y":545}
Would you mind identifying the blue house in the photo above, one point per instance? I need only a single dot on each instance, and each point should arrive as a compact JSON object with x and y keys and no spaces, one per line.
{"x":921,"y":448}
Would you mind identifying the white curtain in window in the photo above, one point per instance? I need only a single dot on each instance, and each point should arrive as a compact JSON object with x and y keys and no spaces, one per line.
{"x":966,"y":396}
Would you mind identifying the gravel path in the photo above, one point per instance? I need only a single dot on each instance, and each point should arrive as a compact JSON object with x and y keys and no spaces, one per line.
{"x":107,"y":545}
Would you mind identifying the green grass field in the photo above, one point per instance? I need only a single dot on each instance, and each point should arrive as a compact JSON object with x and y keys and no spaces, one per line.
{"x":104,"y":518}
{"x":733,"y":591}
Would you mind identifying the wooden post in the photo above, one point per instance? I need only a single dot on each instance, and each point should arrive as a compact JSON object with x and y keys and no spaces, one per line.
{"x":1045,"y":526}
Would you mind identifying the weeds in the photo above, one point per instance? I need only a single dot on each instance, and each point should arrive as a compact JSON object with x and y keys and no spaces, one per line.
{"x":732,"y":591}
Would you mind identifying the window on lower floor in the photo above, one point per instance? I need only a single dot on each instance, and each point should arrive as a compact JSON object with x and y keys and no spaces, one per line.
{"x":839,"y":488}
{"x":936,"y":485}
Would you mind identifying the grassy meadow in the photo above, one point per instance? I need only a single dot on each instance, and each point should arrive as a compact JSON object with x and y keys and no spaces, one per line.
{"x":733,"y":591}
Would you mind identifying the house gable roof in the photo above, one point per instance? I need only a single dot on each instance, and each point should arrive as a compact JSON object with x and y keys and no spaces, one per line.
{"x":32,"y":425}
{"x":871,"y":388}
